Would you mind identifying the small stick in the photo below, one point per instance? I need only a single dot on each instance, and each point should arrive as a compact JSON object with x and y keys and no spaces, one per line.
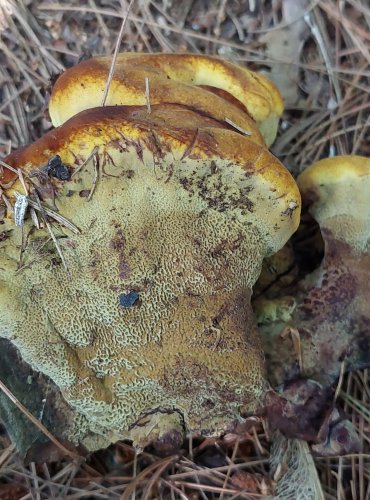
{"x":21,"y":178}
{"x":96,"y":177}
{"x":23,"y":246}
{"x":37,"y":206}
{"x":34,"y":218}
{"x":322,"y":44}
{"x":59,"y":250}
{"x":115,"y":55}
{"x":19,"y":269}
{"x":91,"y":155}
{"x":340,"y":381}
{"x":147,"y":96}
{"x":59,"y":218}
{"x":237,"y":127}
{"x":12,"y":169}
{"x":190,"y":148}
{"x":296,"y":339}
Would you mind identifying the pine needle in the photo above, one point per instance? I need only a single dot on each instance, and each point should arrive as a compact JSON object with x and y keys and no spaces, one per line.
{"x":115,"y":54}
{"x":237,"y":127}
{"x":49,"y":228}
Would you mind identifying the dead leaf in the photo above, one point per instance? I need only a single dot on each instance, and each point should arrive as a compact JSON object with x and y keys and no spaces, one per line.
{"x":12,"y":491}
{"x":285,"y":45}
{"x":245,"y":481}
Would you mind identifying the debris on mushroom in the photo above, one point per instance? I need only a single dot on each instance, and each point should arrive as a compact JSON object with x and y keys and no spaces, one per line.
{"x":332,"y":318}
{"x":224,"y":91}
{"x":278,"y":270}
{"x":150,"y":333}
{"x":270,"y":310}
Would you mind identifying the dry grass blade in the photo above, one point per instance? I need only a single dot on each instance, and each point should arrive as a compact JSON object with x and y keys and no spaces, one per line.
{"x":87,"y":159}
{"x":296,"y":340}
{"x":237,"y":127}
{"x":215,"y":489}
{"x":231,"y":464}
{"x":340,"y":381}
{"x":3,"y":164}
{"x":115,"y":54}
{"x":147,"y":95}
{"x":21,"y":16}
{"x":149,"y":490}
{"x":191,"y":456}
{"x":6,"y":454}
{"x":55,"y":215}
{"x":51,"y":232}
{"x":160,"y":465}
{"x":322,"y":42}
{"x":95,"y":159}
{"x":12,"y":103}
{"x":216,"y":470}
{"x":186,"y":33}
{"x":37,"y":205}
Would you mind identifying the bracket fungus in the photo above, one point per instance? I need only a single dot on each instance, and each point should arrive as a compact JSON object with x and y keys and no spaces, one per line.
{"x":212,"y":86}
{"x":331,"y":320}
{"x":162,"y":225}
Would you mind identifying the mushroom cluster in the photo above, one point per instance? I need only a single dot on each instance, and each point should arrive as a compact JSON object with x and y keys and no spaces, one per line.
{"x":329,"y":316}
{"x":132,"y":235}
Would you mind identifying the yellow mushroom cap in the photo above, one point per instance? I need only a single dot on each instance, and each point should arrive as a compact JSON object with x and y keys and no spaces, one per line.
{"x":155,"y":311}
{"x":338,"y":191}
{"x":252,"y":181}
{"x":219,"y":88}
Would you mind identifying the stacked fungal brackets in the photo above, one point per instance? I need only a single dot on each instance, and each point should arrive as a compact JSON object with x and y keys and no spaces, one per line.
{"x":141,"y":229}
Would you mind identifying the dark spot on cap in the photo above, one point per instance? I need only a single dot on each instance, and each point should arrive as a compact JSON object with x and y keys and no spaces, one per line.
{"x":208,"y":404}
{"x":56,"y":168}
{"x":127,"y":300}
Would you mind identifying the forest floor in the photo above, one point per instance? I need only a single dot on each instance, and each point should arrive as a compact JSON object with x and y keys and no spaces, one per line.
{"x":318,"y":54}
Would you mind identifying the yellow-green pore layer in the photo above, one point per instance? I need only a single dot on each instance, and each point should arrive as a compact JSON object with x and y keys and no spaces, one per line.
{"x":153,"y":318}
